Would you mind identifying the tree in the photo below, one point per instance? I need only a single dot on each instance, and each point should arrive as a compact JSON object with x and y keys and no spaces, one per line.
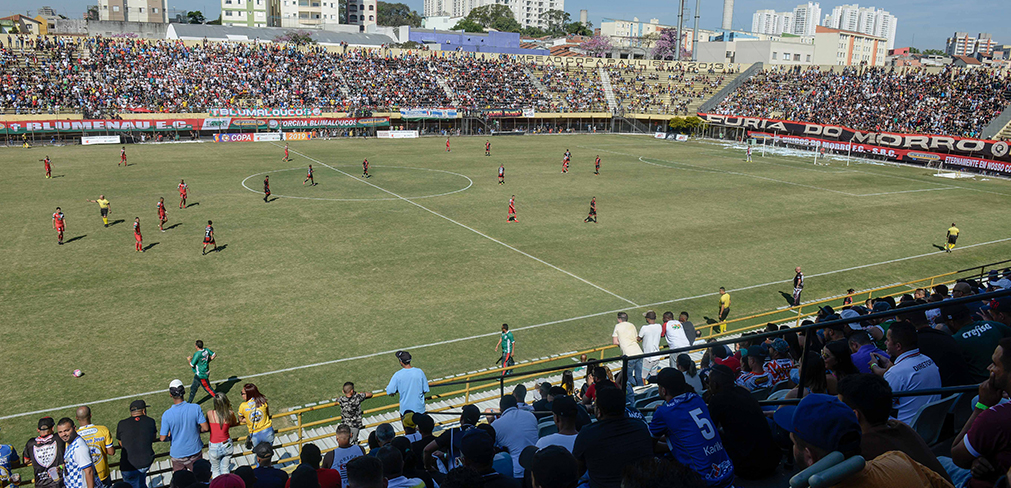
{"x":92,"y":13}
{"x":913,"y":50}
{"x":933,"y":52}
{"x":396,"y":14}
{"x":195,"y":17}
{"x":409,"y":45}
{"x":667,"y":46}
{"x":506,"y":24}
{"x":488,"y":15}
{"x":297,"y":37}
{"x":577,"y":29}
{"x":597,"y":46}
{"x":532,"y":31}
{"x":556,"y":20}
{"x":342,"y":11}
{"x":215,"y":21}
{"x":468,"y":25}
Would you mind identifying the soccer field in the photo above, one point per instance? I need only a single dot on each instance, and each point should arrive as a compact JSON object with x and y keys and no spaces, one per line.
{"x":421,"y":254}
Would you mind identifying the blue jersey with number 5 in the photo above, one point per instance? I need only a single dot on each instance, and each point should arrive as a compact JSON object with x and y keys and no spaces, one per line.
{"x":693,"y":439}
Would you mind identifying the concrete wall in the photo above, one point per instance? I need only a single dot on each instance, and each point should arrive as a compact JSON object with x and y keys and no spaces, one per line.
{"x":111,"y":28}
{"x":750,"y":52}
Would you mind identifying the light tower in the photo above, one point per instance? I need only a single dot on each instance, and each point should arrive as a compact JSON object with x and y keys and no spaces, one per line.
{"x":728,"y":14}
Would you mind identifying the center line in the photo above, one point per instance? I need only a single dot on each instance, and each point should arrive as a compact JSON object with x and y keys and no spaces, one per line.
{"x":437,"y":214}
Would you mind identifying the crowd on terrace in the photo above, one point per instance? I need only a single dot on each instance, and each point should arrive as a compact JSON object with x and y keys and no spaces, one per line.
{"x":953,"y":101}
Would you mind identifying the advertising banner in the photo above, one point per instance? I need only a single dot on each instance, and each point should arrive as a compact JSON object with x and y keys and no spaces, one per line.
{"x":529,"y":113}
{"x":956,"y":146}
{"x":495,"y":113}
{"x":267,"y":137}
{"x":264,"y":112}
{"x":904,"y":155}
{"x":182,"y":124}
{"x":397,"y":134}
{"x":89,"y":140}
{"x":297,"y":136}
{"x":247,"y":137}
{"x":428,"y":113}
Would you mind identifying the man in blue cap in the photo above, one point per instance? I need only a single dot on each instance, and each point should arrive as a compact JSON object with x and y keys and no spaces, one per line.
{"x":822,"y":424}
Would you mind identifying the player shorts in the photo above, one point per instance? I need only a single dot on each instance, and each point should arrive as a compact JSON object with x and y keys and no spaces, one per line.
{"x":952,"y":239}
{"x":208,"y":240}
{"x":138,"y":237}
{"x":182,"y":195}
{"x":266,"y":192}
{"x":59,"y":228}
{"x":161,"y":215}
{"x":105,"y":212}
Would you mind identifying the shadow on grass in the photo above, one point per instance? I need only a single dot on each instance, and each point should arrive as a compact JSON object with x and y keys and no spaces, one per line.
{"x":194,"y":204}
{"x":72,"y":239}
{"x":149,"y":246}
{"x":939,"y":248}
{"x":114,"y":222}
{"x":173,"y":226}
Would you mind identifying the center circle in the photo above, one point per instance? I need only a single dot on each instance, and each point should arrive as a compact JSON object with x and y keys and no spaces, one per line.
{"x":470,"y":183}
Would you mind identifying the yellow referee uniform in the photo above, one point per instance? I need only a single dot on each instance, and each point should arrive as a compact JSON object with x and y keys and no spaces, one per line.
{"x":952,"y":237}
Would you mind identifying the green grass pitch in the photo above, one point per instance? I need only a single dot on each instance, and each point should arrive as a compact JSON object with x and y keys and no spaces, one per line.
{"x":422,"y":254}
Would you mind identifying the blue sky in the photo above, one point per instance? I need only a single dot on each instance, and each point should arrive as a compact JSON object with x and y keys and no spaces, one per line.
{"x":931,"y":22}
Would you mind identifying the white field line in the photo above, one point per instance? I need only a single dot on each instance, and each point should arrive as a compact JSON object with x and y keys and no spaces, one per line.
{"x":470,"y":183}
{"x":437,"y":214}
{"x":527,"y":327}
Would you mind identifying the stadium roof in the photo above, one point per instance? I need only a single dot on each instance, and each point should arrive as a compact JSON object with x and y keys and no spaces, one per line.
{"x":237,"y":33}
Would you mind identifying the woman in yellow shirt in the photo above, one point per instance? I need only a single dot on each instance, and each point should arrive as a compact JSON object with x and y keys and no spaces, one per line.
{"x":256,"y":415}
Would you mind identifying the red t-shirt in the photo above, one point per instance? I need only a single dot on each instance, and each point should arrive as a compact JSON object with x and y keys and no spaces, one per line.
{"x":731,"y":362}
{"x":328,"y":478}
{"x":990,"y":437}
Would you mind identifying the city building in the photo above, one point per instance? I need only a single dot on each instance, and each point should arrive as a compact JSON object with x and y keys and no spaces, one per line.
{"x":485,"y":42}
{"x":527,"y":12}
{"x":24,"y":24}
{"x":154,"y":11}
{"x":245,"y":13}
{"x":440,"y":22}
{"x":865,"y":20}
{"x":848,"y":48}
{"x":630,"y":33}
{"x":801,"y":21}
{"x":360,"y":12}
{"x":792,"y":51}
{"x":962,"y":45}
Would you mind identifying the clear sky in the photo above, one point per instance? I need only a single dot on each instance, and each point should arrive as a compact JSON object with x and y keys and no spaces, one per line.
{"x":930,"y":22}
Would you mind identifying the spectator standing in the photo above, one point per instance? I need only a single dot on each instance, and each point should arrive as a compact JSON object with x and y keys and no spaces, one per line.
{"x":255,"y":413}
{"x":745,"y":431}
{"x":182,"y":424}
{"x":862,"y":348}
{"x":911,"y":370}
{"x":939,"y":346}
{"x":976,"y":338}
{"x":410,"y":383}
{"x":267,"y":476}
{"x":821,"y":424}
{"x":650,"y":335}
{"x":136,"y":435}
{"x":724,"y":311}
{"x":44,"y":454}
{"x":344,"y":452}
{"x":200,"y":362}
{"x":78,"y":468}
{"x":515,"y":429}
{"x":683,"y":421}
{"x":689,"y":328}
{"x":870,"y":397}
{"x":351,"y":408}
{"x":508,"y":344}
{"x":311,"y":456}
{"x":604,"y":447}
{"x":99,"y":442}
{"x":627,"y":338}
{"x":676,"y":335}
{"x":220,"y":419}
{"x":564,"y":412}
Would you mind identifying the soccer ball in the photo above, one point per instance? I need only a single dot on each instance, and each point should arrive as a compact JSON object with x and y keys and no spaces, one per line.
{"x":78,"y":373}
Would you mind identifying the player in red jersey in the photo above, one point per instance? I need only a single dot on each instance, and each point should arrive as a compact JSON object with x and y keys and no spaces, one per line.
{"x":565,"y":161}
{"x":487,"y":148}
{"x":209,"y":238}
{"x":266,"y":188}
{"x":501,"y":174}
{"x":182,"y":193}
{"x":122,"y":157}
{"x":136,"y":234}
{"x":161,"y":214}
{"x":59,"y":223}
{"x":286,"y":158}
{"x":593,"y":211}
{"x":512,"y":209}
{"x":49,"y":167}
{"x":447,"y":144}
{"x":365,"y":169}
{"x":308,"y":177}
{"x":596,"y":166}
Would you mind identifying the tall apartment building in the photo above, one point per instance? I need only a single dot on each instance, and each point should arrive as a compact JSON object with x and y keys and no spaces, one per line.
{"x":363,"y":12}
{"x":527,"y":12}
{"x":133,"y":10}
{"x":865,"y":20}
{"x":245,"y":13}
{"x":962,"y":45}
{"x":801,"y":21}
{"x":313,"y":14}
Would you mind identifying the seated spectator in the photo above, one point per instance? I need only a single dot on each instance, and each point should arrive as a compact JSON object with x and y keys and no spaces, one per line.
{"x":520,"y":392}
{"x":326,"y":477}
{"x":838,"y":363}
{"x":683,"y":421}
{"x":604,"y":447}
{"x":981,"y":452}
{"x":412,"y":463}
{"x":515,"y":429}
{"x":780,"y":362}
{"x":870,"y":397}
{"x":822,"y":424}
{"x":940,"y":347}
{"x":564,"y":412}
{"x":202,"y":471}
{"x":182,"y":478}
{"x":478,"y":450}
{"x":230,"y":480}
{"x":660,"y":473}
{"x":384,"y":435}
{"x":745,"y":431}
{"x":911,"y":371}
{"x":247,"y":476}
{"x":393,"y":469}
{"x":687,"y":367}
{"x":344,"y":452}
{"x":304,"y":476}
{"x":756,"y":378}
{"x":815,"y":376}
{"x":551,"y":467}
{"x":977,"y":338}
{"x":862,"y":347}
{"x":267,"y":476}
{"x":447,"y":445}
{"x":462,"y":477}
{"x":543,"y":405}
{"x":410,"y":427}
{"x":426,"y":424}
{"x":598,"y":374}
{"x":366,"y":472}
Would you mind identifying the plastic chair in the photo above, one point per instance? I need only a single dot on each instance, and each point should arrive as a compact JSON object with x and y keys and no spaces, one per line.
{"x":546,"y":429}
{"x":778,"y":395}
{"x":641,"y":403}
{"x":929,"y":418}
{"x":762,"y":394}
{"x":783,"y":385}
{"x":962,"y":409}
{"x":650,"y":391}
{"x":503,"y":464}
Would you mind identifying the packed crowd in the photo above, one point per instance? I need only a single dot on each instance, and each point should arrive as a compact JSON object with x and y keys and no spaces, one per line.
{"x":957,"y":102}
{"x":640,"y":91}
{"x":573,"y":90}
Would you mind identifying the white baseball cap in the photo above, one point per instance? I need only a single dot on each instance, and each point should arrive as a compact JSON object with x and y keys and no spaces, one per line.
{"x":175,"y":384}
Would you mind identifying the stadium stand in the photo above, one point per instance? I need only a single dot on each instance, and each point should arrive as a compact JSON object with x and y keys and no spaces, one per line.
{"x":953,"y":101}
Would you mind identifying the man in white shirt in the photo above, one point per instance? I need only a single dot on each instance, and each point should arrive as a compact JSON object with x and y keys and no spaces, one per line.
{"x":674,"y":332}
{"x":911,"y":370}
{"x":515,"y":429}
{"x":627,"y":338}
{"x":564,"y":412}
{"x":649,"y":336}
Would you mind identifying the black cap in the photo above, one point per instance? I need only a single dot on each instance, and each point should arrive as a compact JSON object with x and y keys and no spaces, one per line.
{"x":137,"y":405}
{"x":47,"y":423}
{"x":263,"y":450}
{"x":404,"y":357}
{"x":470,"y":414}
{"x":669,"y":378}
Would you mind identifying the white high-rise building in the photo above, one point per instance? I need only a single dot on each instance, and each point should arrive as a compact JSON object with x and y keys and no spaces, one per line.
{"x":527,"y":12}
{"x":133,"y":10}
{"x":806,"y":18}
{"x":865,"y":20}
{"x":245,"y":13}
{"x":801,"y":21}
{"x":308,"y":13}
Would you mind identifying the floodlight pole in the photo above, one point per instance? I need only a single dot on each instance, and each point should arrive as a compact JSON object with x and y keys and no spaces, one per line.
{"x":681,"y":23}
{"x":695,"y":34}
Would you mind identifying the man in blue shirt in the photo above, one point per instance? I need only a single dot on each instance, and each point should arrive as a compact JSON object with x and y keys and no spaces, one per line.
{"x":182,"y":424}
{"x":862,"y":347}
{"x":684,"y":421}
{"x":410,"y":383}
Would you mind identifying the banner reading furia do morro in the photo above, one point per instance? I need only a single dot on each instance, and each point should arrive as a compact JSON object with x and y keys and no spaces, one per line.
{"x":941,"y":145}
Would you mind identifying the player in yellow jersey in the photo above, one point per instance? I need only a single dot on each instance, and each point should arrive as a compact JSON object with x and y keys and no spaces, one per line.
{"x":952,"y":237}
{"x":103,"y":207}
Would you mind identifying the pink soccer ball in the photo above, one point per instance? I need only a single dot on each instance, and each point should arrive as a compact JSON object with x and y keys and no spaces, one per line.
{"x":78,"y":373}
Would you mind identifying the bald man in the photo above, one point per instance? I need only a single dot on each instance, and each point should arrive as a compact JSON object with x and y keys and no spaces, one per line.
{"x":100,"y":443}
